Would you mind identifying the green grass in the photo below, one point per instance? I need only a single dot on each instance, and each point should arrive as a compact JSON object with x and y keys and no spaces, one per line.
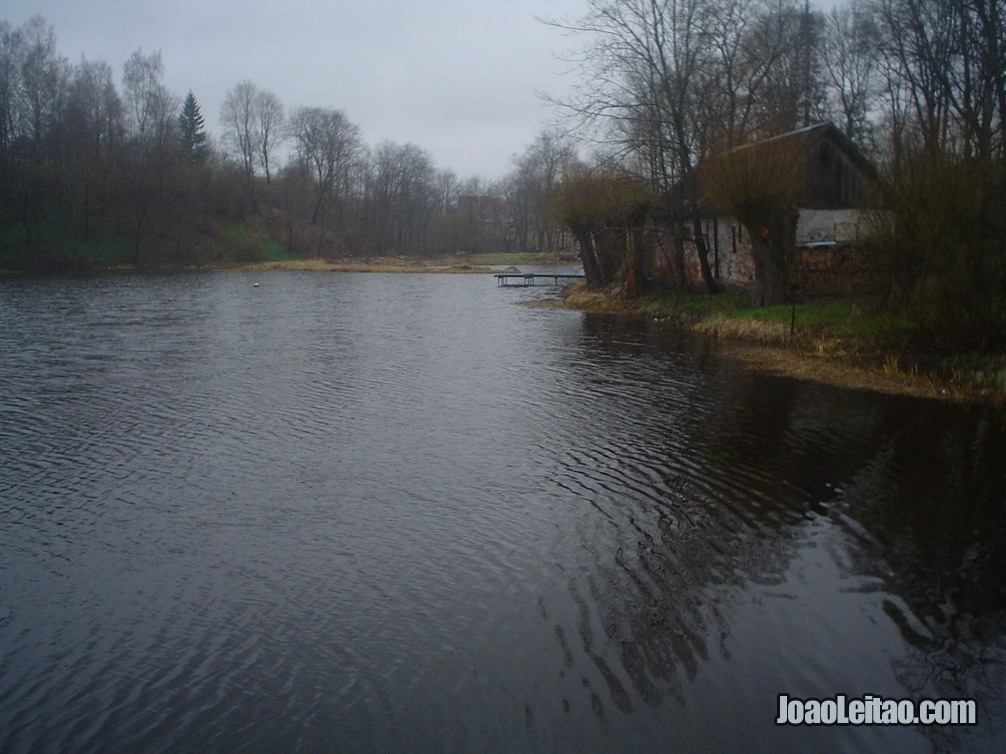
{"x":274,"y":251}
{"x":841,"y":317}
{"x":840,"y":340}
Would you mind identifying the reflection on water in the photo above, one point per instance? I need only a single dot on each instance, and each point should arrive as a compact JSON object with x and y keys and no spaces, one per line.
{"x":378,"y":512}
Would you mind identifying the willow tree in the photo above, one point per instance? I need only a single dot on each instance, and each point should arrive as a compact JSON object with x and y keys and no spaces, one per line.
{"x":759,"y":184}
{"x":605,"y":212}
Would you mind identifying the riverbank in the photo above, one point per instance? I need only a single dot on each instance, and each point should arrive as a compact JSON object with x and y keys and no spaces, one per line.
{"x":483,"y":263}
{"x":375,"y":264}
{"x":837,"y":341}
{"x":456,"y":263}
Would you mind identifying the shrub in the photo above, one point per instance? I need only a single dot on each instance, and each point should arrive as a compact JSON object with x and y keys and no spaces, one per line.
{"x":944,"y":251}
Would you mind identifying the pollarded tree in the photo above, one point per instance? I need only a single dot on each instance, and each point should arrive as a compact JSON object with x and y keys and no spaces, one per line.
{"x":604,"y":210}
{"x":759,"y":185}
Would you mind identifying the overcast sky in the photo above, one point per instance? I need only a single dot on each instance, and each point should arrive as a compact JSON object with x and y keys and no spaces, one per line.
{"x":458,"y":78}
{"x":455,"y":77}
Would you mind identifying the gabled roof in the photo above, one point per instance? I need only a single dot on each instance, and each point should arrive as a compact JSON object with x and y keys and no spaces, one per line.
{"x":806,"y":138}
{"x":820,"y":131}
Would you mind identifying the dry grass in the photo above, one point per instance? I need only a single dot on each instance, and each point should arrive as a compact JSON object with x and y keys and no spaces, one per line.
{"x":834,"y":370}
{"x":597,"y":302}
{"x":376,"y":264}
{"x":814,"y":354}
{"x":766,"y":333}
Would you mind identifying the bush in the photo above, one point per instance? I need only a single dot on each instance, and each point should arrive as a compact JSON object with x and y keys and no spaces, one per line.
{"x":945,"y":251}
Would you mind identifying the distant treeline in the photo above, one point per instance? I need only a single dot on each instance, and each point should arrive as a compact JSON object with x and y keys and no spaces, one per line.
{"x":93,"y":176}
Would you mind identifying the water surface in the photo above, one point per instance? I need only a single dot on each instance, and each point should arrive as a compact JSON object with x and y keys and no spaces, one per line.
{"x":403,"y":513}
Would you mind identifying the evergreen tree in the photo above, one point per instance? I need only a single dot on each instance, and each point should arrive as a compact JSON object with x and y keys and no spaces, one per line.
{"x":193,"y":135}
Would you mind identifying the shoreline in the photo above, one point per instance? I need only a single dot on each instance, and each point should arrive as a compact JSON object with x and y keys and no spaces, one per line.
{"x":477,"y":263}
{"x":769,"y":348}
{"x":295,"y":265}
{"x":766,"y":347}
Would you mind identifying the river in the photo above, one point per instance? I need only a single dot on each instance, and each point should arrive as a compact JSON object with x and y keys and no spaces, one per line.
{"x":304,"y":512}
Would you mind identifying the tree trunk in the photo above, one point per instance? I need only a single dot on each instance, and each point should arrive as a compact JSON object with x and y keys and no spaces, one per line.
{"x":634,"y":273}
{"x":703,"y":252}
{"x":773,"y":238}
{"x":678,"y":260}
{"x":588,"y":257}
{"x":770,"y":283}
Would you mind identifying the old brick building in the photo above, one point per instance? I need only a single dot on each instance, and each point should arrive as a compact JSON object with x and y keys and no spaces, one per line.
{"x":833,"y":222}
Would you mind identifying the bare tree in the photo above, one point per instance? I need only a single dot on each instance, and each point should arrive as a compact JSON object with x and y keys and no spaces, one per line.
{"x":11,"y":57}
{"x":944,"y":73}
{"x":402,"y":198}
{"x":268,"y":132}
{"x":787,"y":39}
{"x":647,"y":66}
{"x":537,"y":172}
{"x":150,"y":107}
{"x":239,"y":116}
{"x":253,"y":122}
{"x":977,"y":79}
{"x":88,"y":140}
{"x":43,"y":81}
{"x":151,"y":117}
{"x":850,"y":70}
{"x":330,"y":147}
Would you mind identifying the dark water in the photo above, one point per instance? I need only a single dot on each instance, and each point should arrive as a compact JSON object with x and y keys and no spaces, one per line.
{"x":400,"y":513}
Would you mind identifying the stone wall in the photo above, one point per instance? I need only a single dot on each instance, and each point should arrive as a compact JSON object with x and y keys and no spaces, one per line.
{"x":833,"y":254}
{"x":841,"y":269}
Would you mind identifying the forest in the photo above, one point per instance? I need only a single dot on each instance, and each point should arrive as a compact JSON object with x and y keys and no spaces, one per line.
{"x":93,"y":175}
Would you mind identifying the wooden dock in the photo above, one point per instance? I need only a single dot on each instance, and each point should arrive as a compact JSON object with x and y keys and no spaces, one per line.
{"x":528,"y":279}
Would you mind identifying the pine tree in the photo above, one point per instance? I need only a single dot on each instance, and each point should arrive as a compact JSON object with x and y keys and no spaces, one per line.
{"x":193,"y":135}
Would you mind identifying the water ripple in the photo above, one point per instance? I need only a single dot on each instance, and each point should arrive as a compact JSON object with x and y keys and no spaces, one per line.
{"x":378,"y":513}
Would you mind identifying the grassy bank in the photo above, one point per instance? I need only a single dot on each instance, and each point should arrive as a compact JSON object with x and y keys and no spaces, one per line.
{"x":454,"y":263}
{"x":839,"y":341}
{"x":279,"y":261}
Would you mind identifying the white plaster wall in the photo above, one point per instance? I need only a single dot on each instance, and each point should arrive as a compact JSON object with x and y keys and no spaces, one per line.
{"x":848,"y":225}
